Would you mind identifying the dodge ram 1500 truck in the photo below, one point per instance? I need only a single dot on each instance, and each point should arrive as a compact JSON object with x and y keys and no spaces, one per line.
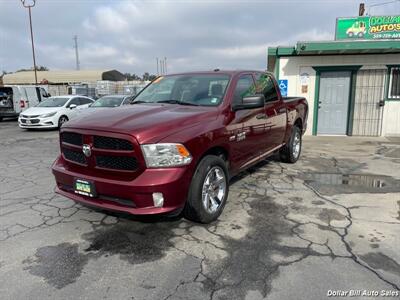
{"x":176,"y":147}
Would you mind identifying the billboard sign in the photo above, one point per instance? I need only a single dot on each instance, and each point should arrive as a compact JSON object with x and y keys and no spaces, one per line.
{"x":368,"y":28}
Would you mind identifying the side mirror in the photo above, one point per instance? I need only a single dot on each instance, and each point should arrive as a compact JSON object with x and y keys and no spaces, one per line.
{"x":72,"y":106}
{"x":250,"y":102}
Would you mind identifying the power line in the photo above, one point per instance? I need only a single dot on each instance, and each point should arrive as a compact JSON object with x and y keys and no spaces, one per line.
{"x":384,"y":3}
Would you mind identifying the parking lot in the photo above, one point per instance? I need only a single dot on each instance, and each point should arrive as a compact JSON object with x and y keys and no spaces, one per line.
{"x":328,"y":223}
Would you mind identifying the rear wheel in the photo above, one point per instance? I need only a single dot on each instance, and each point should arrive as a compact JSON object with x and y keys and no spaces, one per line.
{"x":290,"y":153}
{"x":62,"y":120}
{"x":208,"y":191}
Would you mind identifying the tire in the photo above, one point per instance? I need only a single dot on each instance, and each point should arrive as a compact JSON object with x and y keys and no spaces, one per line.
{"x":1,"y":119}
{"x":360,"y":34}
{"x":209,"y":180}
{"x":290,"y":153}
{"x":62,"y":120}
{"x":350,"y":34}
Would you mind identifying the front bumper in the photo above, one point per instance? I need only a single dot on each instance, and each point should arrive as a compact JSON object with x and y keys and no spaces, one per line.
{"x":133,"y":197}
{"x":37,"y":122}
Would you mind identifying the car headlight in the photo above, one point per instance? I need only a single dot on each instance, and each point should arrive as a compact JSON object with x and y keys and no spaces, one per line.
{"x":48,"y":115}
{"x":166,"y":155}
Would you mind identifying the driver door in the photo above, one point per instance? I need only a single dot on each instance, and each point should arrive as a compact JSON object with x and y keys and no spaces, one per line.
{"x":248,"y":129}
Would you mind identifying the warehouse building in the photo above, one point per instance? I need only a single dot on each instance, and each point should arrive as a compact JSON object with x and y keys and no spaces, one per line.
{"x":352,"y":84}
{"x":62,"y":77}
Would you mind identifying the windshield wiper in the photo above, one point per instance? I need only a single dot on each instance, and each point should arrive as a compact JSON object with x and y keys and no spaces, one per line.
{"x":177,"y":102}
{"x":139,"y":101}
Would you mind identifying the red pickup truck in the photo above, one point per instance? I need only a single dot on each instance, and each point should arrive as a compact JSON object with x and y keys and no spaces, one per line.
{"x":177,"y":146}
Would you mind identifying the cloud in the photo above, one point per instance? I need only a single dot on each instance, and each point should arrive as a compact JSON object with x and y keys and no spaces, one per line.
{"x":129,"y":35}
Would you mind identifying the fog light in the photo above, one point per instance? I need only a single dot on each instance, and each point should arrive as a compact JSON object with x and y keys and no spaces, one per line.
{"x":158,"y":199}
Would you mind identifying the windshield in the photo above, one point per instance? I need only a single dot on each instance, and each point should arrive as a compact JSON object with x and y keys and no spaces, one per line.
{"x":53,"y":102}
{"x":108,"y":101}
{"x":200,"y":89}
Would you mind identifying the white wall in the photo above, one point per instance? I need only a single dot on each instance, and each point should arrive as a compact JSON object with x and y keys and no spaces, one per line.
{"x":391,"y":119}
{"x":292,"y":67}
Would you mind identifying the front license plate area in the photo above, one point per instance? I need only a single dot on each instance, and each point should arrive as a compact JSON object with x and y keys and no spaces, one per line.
{"x":84,"y":187}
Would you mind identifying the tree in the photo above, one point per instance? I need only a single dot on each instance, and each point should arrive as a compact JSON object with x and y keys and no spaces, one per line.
{"x":152,"y":77}
{"x":146,"y":76}
{"x":38,"y":68}
{"x":132,"y":76}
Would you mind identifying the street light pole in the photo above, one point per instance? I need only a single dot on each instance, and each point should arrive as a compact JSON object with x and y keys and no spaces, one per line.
{"x":29,"y":4}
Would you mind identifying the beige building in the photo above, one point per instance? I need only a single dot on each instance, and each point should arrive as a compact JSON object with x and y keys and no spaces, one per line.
{"x":352,"y":87}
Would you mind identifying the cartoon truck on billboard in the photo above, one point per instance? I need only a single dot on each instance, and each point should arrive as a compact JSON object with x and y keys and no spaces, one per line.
{"x":358,"y":29}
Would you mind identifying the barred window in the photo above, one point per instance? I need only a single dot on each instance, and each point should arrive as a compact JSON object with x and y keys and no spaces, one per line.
{"x":394,"y":83}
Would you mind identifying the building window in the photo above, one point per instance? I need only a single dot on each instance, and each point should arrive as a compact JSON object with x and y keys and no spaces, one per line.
{"x":394,"y":83}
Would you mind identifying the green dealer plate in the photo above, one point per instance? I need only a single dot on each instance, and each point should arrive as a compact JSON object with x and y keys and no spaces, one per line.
{"x":84,"y":187}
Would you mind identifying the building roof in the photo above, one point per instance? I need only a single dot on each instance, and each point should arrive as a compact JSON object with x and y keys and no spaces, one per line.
{"x":64,"y":76}
{"x":337,"y":47}
{"x":332,"y":48}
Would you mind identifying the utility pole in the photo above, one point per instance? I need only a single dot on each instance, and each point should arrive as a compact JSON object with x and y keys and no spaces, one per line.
{"x":76,"y":52}
{"x":165,"y":61}
{"x":157,"y":67}
{"x":361,"y":9}
{"x":29,"y":5}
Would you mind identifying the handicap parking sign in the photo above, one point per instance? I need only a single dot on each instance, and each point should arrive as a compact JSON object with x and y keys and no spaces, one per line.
{"x":283,"y":86}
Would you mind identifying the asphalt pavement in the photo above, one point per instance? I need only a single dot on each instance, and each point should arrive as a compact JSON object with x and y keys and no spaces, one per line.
{"x":327,"y":225}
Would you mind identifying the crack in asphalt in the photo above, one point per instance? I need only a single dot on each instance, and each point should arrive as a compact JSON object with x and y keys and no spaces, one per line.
{"x":227,"y":266}
{"x":343,"y":237}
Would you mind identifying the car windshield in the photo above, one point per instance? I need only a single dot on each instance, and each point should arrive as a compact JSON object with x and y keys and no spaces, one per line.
{"x":196,"y":89}
{"x":108,"y":101}
{"x":53,"y":102}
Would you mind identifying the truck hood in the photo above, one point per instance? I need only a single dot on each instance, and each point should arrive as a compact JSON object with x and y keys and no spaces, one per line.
{"x":148,"y":123}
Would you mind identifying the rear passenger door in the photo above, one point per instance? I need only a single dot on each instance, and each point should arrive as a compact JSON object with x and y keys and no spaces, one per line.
{"x":275,"y":111}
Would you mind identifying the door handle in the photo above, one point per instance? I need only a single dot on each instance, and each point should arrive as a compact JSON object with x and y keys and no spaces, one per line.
{"x":261,"y":116}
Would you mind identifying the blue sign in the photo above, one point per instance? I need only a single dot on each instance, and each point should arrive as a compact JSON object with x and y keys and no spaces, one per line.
{"x":283,"y":86}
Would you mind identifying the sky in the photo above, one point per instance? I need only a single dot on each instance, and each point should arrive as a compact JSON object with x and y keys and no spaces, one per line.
{"x":194,"y":34}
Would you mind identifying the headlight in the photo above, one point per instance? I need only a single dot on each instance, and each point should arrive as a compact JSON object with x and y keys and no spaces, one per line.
{"x":48,"y":115}
{"x":166,"y":155}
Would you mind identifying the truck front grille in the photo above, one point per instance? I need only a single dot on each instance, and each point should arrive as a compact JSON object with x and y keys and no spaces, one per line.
{"x":110,"y":143}
{"x":74,"y":156}
{"x":107,"y":153}
{"x":126,"y":163}
{"x":72,"y":138}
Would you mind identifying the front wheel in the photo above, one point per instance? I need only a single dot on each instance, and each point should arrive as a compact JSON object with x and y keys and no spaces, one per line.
{"x":208,"y":190}
{"x":62,"y":120}
{"x":290,"y":153}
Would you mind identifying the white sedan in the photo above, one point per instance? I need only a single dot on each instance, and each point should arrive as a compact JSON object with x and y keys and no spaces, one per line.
{"x":53,"y":112}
